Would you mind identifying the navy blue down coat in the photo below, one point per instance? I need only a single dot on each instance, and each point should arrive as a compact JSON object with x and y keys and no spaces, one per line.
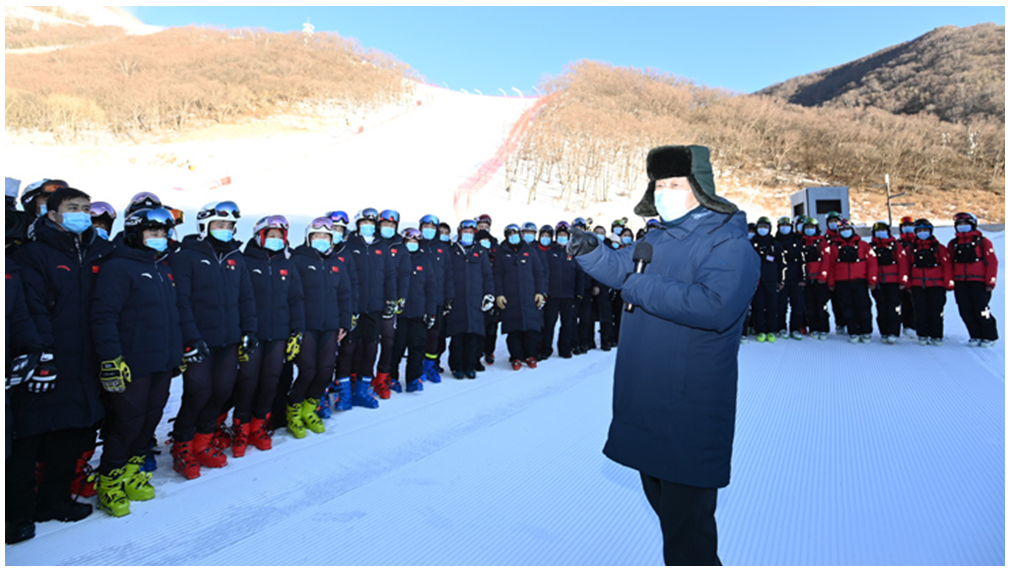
{"x":470,"y":274}
{"x":134,"y":312}
{"x":565,"y":279}
{"x":59,"y":270}
{"x":519,"y":275}
{"x":421,"y":294}
{"x":215,"y":295}
{"x":277,"y":288}
{"x":326,"y":287}
{"x":439,"y":251}
{"x":377,"y":273}
{"x":676,"y":372}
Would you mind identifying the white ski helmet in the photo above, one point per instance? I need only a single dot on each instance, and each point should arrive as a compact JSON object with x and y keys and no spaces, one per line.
{"x":224,"y":210}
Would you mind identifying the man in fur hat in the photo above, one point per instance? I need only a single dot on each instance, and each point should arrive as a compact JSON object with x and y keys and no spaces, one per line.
{"x":676,"y":372}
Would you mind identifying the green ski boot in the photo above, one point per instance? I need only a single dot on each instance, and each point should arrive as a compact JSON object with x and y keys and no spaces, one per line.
{"x":111,"y":496}
{"x":294,"y":416}
{"x":310,"y":419}
{"x":137,"y":483}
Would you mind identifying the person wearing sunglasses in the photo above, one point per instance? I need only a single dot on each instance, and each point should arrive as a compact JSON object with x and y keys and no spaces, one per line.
{"x":386,"y":380}
{"x":217,"y":310}
{"x":470,"y":273}
{"x":435,"y":337}
{"x":136,"y":329}
{"x":281,"y":322}
{"x":327,"y":294}
{"x":520,"y":286}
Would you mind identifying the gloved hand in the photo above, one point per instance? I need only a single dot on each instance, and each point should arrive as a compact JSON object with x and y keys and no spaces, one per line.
{"x":354,"y":322}
{"x":430,"y":322}
{"x":487,"y":302}
{"x":447,"y":307}
{"x":115,"y":375}
{"x":581,"y":242}
{"x":22,"y":368}
{"x":44,"y":378}
{"x":400,"y":306}
{"x":294,"y":346}
{"x":539,"y":301}
{"x":195,"y":352}
{"x":501,"y":302}
{"x":390,"y":309}
{"x":248,"y":343}
{"x":181,"y":368}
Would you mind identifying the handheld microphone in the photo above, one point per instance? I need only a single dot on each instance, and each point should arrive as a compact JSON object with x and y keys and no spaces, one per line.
{"x":641,"y":256}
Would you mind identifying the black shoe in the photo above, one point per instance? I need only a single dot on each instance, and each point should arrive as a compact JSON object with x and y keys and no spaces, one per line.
{"x":471,"y":374}
{"x":16,"y":532}
{"x":566,"y":356}
{"x":490,"y":359}
{"x":606,"y":347}
{"x":68,"y":511}
{"x":459,"y":375}
{"x":479,"y":367}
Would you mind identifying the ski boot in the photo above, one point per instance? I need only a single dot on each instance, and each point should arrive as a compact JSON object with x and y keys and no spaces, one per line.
{"x":111,"y":496}
{"x":343,"y":393}
{"x":240,"y":437}
{"x":395,"y":385}
{"x":771,"y":337}
{"x":490,"y":358}
{"x":293,"y":413}
{"x":430,"y":369}
{"x":531,"y":363}
{"x":222,"y":438}
{"x":796,"y":335}
{"x":83,"y":484}
{"x":137,"y":483}
{"x":865,"y":338}
{"x":260,"y":433}
{"x":323,"y":409}
{"x":760,"y":338}
{"x":206,"y":453}
{"x":309,"y":418}
{"x":183,"y":460}
{"x":362,"y":395}
{"x":381,"y":385}
{"x":516,"y":364}
{"x":150,"y":463}
{"x":415,"y":385}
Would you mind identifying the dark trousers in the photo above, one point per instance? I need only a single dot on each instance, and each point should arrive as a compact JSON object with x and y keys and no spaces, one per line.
{"x":523,"y":345}
{"x":929,"y":303}
{"x":464,"y":352}
{"x":206,"y":387}
{"x":411,"y":335}
{"x":794,"y":294}
{"x":58,"y":452}
{"x":853,"y":305}
{"x":908,"y":310}
{"x":602,"y":303}
{"x":687,"y":522}
{"x":363,"y":346}
{"x":888,"y":305}
{"x":257,"y":381}
{"x":617,"y":309}
{"x":316,"y":365}
{"x":131,"y":418}
{"x":435,"y":338}
{"x":388,"y":331}
{"x":278,"y":408}
{"x":816,"y":307}
{"x":764,"y":307}
{"x":491,"y":332}
{"x":973,"y":299}
{"x":556,"y":309}
{"x":585,"y":327}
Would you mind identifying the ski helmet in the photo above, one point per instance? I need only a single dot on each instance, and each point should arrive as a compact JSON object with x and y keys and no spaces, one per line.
{"x":101,"y":209}
{"x":880,"y":225}
{"x":143,"y":200}
{"x":546,"y":229}
{"x":467,"y":224}
{"x":412,"y":234}
{"x":580,"y":222}
{"x":366,"y":215}
{"x":225,"y":210}
{"x":319,"y":224}
{"x":390,"y":215}
{"x":266,"y":223}
{"x":923,"y":223}
{"x":967,"y":218}
{"x":145,"y":219}
{"x":339,"y":218}
{"x":34,"y":190}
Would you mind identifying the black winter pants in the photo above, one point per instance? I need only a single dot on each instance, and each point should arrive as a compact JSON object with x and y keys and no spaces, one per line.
{"x":131,"y":418}
{"x":617,"y":309}
{"x":315,"y":364}
{"x":851,"y":301}
{"x":687,"y":522}
{"x":764,"y":308}
{"x":464,"y":352}
{"x":556,"y":309}
{"x":491,"y":331}
{"x":973,"y":299}
{"x":435,"y":338}
{"x":58,"y":451}
{"x":909,"y":321}
{"x":585,"y":327}
{"x":388,"y":331}
{"x":929,"y":303}
{"x":258,"y":381}
{"x":206,"y":387}
{"x":816,"y":307}
{"x":362,"y":348}
{"x":602,"y":303}
{"x":411,"y":336}
{"x":888,"y":305}
{"x":794,"y":294}
{"x":523,"y":345}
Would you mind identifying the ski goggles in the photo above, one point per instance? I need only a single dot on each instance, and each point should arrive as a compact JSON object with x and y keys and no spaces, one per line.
{"x":368,"y":214}
{"x":101,"y":208}
{"x":224,"y":208}
{"x":467,"y":224}
{"x":390,"y":215}
{"x":272,"y":221}
{"x":321,"y":223}
{"x":338,"y":217}
{"x":412,"y":233}
{"x":429,"y":219}
{"x":511,"y":229}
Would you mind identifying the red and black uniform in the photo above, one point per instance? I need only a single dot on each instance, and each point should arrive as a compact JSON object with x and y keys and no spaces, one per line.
{"x":851,"y":269}
{"x":930,"y":277}
{"x":893,"y":278}
{"x":816,"y":251}
{"x":975,"y":273}
{"x":907,"y":239}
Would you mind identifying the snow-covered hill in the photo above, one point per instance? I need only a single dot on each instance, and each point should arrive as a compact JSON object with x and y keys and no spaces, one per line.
{"x":39,"y":17}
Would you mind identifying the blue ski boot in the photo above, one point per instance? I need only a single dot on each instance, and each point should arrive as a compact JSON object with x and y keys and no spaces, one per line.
{"x":343,"y":393}
{"x":323,"y":409}
{"x":150,"y":463}
{"x":430,"y":370}
{"x":415,"y":385}
{"x":362,"y":395}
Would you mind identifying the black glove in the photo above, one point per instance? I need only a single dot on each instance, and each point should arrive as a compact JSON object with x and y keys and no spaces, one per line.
{"x":447,"y":307}
{"x":44,"y":378}
{"x":22,"y":368}
{"x":390,"y":310}
{"x":430,"y":321}
{"x":249,"y":343}
{"x":195,"y":351}
{"x":581,"y":242}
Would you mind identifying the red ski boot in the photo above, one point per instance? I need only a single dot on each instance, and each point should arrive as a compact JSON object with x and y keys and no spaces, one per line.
{"x":183,"y":461}
{"x":381,"y":385}
{"x":240,"y":437}
{"x":206,"y":454}
{"x":259,"y":433}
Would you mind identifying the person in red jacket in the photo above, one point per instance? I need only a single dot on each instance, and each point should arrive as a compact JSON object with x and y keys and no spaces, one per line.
{"x":907,"y":239}
{"x":930,"y":277}
{"x":975,"y":272}
{"x":816,"y":291}
{"x":852,"y":268}
{"x":893,"y":278}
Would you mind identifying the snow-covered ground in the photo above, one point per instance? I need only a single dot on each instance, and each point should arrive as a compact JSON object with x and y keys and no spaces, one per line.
{"x":844,"y":455}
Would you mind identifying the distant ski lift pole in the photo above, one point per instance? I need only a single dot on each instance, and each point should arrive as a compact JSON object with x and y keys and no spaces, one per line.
{"x":519,"y":93}
{"x":307,"y":31}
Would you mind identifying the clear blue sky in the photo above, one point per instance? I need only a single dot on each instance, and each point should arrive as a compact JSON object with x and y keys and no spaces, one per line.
{"x":739,"y":48}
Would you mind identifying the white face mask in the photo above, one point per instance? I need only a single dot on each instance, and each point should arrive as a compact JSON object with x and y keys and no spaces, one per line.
{"x":670,"y":203}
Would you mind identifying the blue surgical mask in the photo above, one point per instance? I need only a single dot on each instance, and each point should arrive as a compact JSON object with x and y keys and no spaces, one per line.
{"x":615,"y":245}
{"x":514,"y":239}
{"x":785,"y":230}
{"x":338,"y":237}
{"x":444,"y":237}
{"x":101,"y":232}
{"x":528,"y":237}
{"x":562,"y":240}
{"x":809,"y":232}
{"x":963,"y":228}
{"x":751,"y":235}
{"x":467,"y":238}
{"x":159,"y":244}
{"x":428,"y":233}
{"x":670,"y":203}
{"x":274,"y":244}
{"x":616,"y":230}
{"x":222,"y":234}
{"x":388,"y":232}
{"x":882,"y":234}
{"x":627,"y":240}
{"x":924,"y":234}
{"x":485,"y":243}
{"x":321,"y":244}
{"x":367,"y":230}
{"x":846,"y":233}
{"x":833,"y":225}
{"x":762,"y":230}
{"x":76,"y":222}
{"x":906,"y":229}
{"x":43,"y":210}
{"x":411,"y":246}
{"x":545,"y":241}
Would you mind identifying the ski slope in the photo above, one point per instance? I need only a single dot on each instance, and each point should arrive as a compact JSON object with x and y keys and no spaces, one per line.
{"x":844,"y":455}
